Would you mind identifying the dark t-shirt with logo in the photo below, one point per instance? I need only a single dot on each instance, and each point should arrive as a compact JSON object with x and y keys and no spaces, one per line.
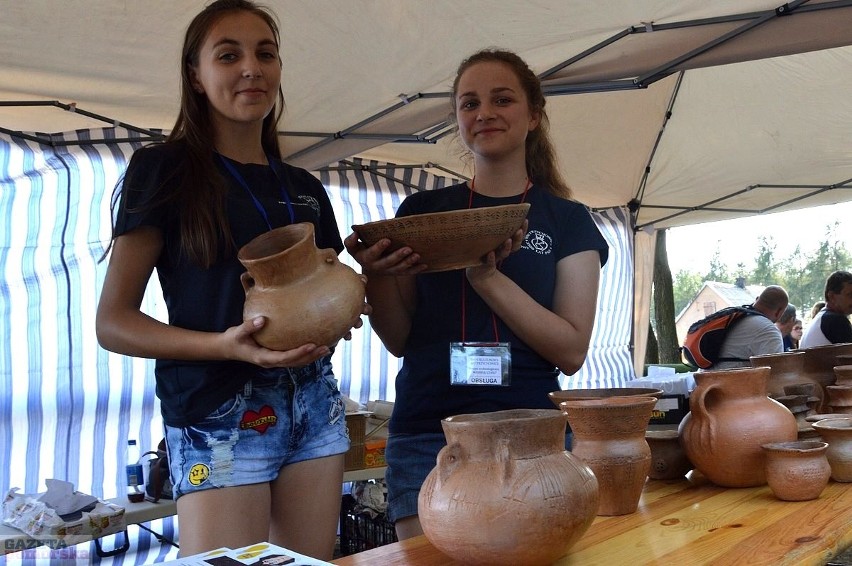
{"x":557,"y":228}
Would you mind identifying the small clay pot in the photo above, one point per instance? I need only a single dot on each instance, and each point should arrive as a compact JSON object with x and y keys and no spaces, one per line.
{"x":797,"y":471}
{"x":601,"y":393}
{"x":668,"y":458}
{"x":838,"y":433}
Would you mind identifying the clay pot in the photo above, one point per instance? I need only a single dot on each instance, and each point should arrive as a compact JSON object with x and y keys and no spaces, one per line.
{"x":305,"y":293}
{"x":819,"y":366}
{"x":797,"y":471}
{"x":843,"y":359}
{"x":838,"y":433}
{"x":840,"y":398}
{"x":505,"y":490}
{"x":843,"y":373}
{"x":808,"y":388}
{"x":609,"y":436}
{"x":822,"y":416}
{"x":785,"y":369}
{"x":668,"y":458}
{"x":572,"y":394}
{"x":730,"y":418}
{"x":797,"y":405}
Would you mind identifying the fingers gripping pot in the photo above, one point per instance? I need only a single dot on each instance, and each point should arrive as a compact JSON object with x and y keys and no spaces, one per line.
{"x":305,"y":293}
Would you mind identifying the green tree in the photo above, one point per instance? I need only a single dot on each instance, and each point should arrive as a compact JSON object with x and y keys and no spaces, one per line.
{"x":718,"y":270}
{"x":685,"y":288}
{"x":664,"y":314}
{"x":766,"y":270}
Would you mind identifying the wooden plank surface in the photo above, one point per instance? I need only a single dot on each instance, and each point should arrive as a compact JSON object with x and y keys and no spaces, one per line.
{"x":688,"y":522}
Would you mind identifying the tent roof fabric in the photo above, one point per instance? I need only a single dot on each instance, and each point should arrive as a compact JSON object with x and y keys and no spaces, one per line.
{"x":688,"y":111}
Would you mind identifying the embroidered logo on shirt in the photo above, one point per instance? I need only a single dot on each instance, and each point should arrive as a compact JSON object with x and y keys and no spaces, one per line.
{"x":538,"y":241}
{"x":259,"y":421}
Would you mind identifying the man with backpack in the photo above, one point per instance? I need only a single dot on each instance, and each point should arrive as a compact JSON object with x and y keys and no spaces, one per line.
{"x":754,"y":335}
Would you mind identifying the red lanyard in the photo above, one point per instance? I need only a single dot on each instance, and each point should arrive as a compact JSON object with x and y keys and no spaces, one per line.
{"x":464,"y":279}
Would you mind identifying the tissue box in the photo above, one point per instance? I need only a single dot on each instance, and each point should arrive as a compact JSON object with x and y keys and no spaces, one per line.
{"x":33,"y":517}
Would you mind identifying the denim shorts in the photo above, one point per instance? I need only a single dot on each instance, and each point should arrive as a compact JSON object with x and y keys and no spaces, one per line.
{"x":409,"y":459}
{"x":286,"y":416}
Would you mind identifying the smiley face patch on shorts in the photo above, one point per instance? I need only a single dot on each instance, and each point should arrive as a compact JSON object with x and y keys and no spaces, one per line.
{"x":259,"y":420}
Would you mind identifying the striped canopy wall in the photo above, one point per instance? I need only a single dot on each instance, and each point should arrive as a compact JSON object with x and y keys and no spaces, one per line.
{"x":67,"y":407}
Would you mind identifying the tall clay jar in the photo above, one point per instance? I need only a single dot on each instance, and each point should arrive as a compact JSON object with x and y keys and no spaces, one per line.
{"x":838,"y":433}
{"x":784,"y":369}
{"x":730,"y":417}
{"x":819,"y":366}
{"x":305,"y":293}
{"x":505,"y":490}
{"x":609,"y":436}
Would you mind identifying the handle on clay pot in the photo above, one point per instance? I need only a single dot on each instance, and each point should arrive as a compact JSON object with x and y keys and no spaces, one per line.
{"x":706,"y":424}
{"x":448,"y":460}
{"x":247,"y":281}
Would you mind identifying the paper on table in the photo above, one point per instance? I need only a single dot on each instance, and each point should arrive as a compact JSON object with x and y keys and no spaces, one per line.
{"x":61,"y":497}
{"x":260,"y":554}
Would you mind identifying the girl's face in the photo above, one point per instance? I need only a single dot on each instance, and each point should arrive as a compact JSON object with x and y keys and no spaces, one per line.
{"x":238,"y":70}
{"x":796,"y":333}
{"x":492,"y":111}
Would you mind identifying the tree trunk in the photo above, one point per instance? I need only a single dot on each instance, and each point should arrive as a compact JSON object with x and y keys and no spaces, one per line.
{"x":669,"y":349}
{"x":652,"y":352}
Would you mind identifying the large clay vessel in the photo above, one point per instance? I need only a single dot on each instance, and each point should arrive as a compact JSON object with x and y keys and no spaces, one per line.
{"x":609,"y":436}
{"x":819,"y":366}
{"x":305,"y":293}
{"x":785,"y":369}
{"x":730,"y":418}
{"x":505,"y":490}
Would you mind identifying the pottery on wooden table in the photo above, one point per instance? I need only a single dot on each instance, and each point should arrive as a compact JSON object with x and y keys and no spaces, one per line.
{"x":819,"y":366}
{"x":797,"y":405}
{"x":785,"y":369}
{"x":609,"y":436}
{"x":453,"y":239}
{"x":573,"y":394}
{"x":730,"y":418}
{"x":797,"y":471}
{"x":838,"y":433}
{"x":505,"y":490}
{"x":305,"y":293}
{"x":843,"y":373}
{"x":668,"y":458}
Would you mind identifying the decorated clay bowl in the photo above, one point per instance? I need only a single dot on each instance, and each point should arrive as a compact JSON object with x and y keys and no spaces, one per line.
{"x":448,"y":240}
{"x":574,"y":394}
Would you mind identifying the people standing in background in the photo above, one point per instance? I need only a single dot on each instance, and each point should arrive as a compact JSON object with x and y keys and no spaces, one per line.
{"x":818,"y":306}
{"x":831,"y":325}
{"x":255,"y":437}
{"x":540,"y":300}
{"x":785,"y":325}
{"x":755,"y":335}
{"x":796,"y":334}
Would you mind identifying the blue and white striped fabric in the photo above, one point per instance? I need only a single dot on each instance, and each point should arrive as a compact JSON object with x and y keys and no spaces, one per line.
{"x":67,"y":407}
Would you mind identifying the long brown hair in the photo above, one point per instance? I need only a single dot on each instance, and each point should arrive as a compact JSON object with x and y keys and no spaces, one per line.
{"x":540,"y":156}
{"x":199,"y":189}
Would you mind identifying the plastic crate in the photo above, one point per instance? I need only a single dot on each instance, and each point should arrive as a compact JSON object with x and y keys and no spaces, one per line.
{"x":360,"y":531}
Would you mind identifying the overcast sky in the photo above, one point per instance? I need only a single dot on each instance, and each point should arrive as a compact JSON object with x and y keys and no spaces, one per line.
{"x":691,"y":247}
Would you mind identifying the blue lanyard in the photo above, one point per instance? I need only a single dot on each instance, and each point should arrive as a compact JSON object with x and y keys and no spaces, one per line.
{"x":257,"y":204}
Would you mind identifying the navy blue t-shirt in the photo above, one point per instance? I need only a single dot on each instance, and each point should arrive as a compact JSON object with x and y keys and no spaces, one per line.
{"x":557,"y":228}
{"x":212,"y":299}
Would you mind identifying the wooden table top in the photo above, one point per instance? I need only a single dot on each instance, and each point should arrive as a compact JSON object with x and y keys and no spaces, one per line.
{"x":687,"y":522}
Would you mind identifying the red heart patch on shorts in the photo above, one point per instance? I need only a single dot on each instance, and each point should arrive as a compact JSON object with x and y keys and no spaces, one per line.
{"x":259,"y":421}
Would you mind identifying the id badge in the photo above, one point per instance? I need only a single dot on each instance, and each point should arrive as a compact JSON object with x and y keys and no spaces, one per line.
{"x":480,"y":363}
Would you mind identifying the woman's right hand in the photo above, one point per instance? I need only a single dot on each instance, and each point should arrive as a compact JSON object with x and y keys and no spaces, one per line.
{"x":239,"y":344}
{"x":375,"y":260}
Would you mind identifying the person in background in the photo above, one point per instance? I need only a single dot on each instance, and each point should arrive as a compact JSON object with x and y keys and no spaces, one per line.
{"x":755,"y":335}
{"x":831,"y":324}
{"x":785,"y":325}
{"x":818,"y":306}
{"x":539,"y":301}
{"x":255,"y":437}
{"x":796,"y":334}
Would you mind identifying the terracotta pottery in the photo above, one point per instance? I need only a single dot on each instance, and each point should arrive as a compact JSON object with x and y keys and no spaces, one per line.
{"x":505,"y":490}
{"x":797,"y":405}
{"x":843,"y":373}
{"x":843,"y":359}
{"x":448,"y":240}
{"x":819,"y":366}
{"x":797,"y":471}
{"x":785,"y":369}
{"x":572,"y":394}
{"x":730,"y":418}
{"x":305,"y":293}
{"x":668,"y":458}
{"x":838,"y":433}
{"x":809,"y":388}
{"x":609,"y":436}
{"x":840,"y":398}
{"x":822,"y":416}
